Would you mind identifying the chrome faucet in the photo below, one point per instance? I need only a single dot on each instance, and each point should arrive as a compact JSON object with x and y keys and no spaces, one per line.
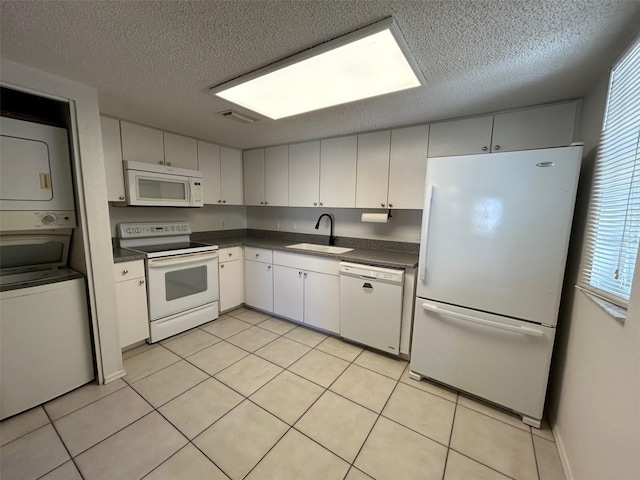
{"x":332,"y":239}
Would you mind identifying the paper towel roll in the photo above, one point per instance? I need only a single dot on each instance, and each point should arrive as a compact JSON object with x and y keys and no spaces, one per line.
{"x":375,"y":217}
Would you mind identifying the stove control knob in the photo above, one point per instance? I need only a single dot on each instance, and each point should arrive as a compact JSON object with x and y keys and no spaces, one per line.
{"x":48,"y":219}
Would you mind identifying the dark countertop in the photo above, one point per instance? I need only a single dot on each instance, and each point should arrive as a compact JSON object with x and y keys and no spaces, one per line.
{"x":381,"y":258}
{"x":377,"y":256}
{"x":124,"y":255}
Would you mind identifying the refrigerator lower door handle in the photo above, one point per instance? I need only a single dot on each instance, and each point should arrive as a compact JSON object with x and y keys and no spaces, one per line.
{"x":487,"y":323}
{"x":426,"y":213}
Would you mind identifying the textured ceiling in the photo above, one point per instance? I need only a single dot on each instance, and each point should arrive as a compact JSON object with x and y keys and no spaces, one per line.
{"x":153,"y":61}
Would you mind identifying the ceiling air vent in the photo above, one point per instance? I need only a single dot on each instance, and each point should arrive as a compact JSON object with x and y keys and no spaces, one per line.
{"x":237,"y":117}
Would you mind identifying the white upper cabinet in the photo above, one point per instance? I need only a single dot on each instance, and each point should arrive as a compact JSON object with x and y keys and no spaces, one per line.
{"x":266,"y":176}
{"x":539,"y":127}
{"x":276,"y":176}
{"x":550,"y":126}
{"x":179,"y":151}
{"x":408,"y":167}
{"x":209,"y":165}
{"x":112,"y":151}
{"x":304,"y":174}
{"x":372,"y":178}
{"x":253,"y":165}
{"x":461,"y":137}
{"x":142,"y":144}
{"x":231,"y":176}
{"x":338,"y":160}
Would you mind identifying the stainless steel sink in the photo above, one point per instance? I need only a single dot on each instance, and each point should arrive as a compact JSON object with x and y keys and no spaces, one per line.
{"x":320,"y":248}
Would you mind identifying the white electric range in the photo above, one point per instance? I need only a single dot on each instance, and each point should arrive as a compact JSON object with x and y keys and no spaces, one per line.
{"x":182,"y":276}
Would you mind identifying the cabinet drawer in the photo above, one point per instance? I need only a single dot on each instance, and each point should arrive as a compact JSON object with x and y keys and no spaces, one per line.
{"x":229,"y":254}
{"x":127,"y":270}
{"x":310,"y":263}
{"x":262,"y":255}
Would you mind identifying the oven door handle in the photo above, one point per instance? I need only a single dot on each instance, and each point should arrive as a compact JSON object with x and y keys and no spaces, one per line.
{"x":181,"y":259}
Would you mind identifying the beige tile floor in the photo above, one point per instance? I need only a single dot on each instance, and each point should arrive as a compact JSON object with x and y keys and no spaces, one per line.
{"x":256,"y":397}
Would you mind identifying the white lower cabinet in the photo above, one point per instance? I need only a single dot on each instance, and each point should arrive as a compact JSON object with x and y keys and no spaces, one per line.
{"x":306,"y":289}
{"x":258,"y":283}
{"x":131,"y":300}
{"x":231,"y":281}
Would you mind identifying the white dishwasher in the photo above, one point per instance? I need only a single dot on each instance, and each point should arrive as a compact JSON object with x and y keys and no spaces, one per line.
{"x":371,"y":305}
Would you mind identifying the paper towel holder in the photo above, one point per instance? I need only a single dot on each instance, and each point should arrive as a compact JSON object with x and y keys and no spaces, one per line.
{"x":376,"y":217}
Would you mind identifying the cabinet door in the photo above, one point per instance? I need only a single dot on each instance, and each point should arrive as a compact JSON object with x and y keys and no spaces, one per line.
{"x":372,"y":178}
{"x":288,"y":292}
{"x":258,"y":282}
{"x":276,"y":176}
{"x":338,"y":159}
{"x":320,"y":306}
{"x":304,"y":174}
{"x":253,"y":173}
{"x":181,"y":152}
{"x":209,"y":165}
{"x":408,"y":167}
{"x":231,"y":176}
{"x":231,"y":285}
{"x":460,"y":137}
{"x":549,"y":126}
{"x":142,"y":144}
{"x":133,"y":319}
{"x":112,"y":151}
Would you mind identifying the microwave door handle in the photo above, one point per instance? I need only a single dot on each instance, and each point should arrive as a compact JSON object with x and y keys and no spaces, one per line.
{"x":181,"y":259}
{"x":532,"y":332}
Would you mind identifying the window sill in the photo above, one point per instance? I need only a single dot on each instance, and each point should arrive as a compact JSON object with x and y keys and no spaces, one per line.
{"x":614,"y":311}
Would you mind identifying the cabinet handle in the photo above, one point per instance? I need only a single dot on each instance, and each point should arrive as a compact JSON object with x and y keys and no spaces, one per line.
{"x":266,"y":202}
{"x":161,"y":162}
{"x":141,"y":282}
{"x":261,"y":203}
{"x":222,"y":265}
{"x":230,"y":254}
{"x":391,"y":205}
{"x":257,"y":255}
{"x":268,"y":267}
{"x":219,"y":201}
{"x":496,"y":147}
{"x":484,"y":148}
{"x":382,"y":204}
{"x":124,"y":272}
{"x":321,"y":203}
{"x":305,"y":274}
{"x":299,"y":274}
{"x":315,"y":204}
{"x":121,"y":197}
{"x":224,"y":201}
{"x":168,"y":163}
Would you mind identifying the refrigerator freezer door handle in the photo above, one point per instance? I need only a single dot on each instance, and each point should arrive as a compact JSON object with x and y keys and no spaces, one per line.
{"x":426,"y":213}
{"x":488,"y":323}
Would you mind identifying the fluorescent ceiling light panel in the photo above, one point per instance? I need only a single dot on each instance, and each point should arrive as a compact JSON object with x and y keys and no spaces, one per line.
{"x":369,"y":62}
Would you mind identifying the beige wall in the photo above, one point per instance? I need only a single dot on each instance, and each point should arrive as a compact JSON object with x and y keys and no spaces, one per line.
{"x":594,"y":402}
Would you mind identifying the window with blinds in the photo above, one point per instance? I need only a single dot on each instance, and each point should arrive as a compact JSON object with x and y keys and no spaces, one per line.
{"x":614,"y":215}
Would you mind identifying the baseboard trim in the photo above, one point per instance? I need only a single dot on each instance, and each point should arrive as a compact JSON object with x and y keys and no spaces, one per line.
{"x":114,"y":376}
{"x":564,"y":459}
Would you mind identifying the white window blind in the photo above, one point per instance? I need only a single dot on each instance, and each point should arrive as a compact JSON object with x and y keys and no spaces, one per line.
{"x":613,"y":226}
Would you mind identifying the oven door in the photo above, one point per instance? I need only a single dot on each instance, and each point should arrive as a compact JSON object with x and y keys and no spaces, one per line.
{"x":181,"y":282}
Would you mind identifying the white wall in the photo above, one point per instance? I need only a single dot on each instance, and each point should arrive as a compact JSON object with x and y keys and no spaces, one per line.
{"x":404,"y":225}
{"x":207,"y":218}
{"x":594,"y":402}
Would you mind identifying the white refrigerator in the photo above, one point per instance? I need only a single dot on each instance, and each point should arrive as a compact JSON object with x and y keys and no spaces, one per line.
{"x":493,"y":250}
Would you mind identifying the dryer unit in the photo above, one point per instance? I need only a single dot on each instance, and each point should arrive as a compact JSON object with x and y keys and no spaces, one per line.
{"x":36,"y":187}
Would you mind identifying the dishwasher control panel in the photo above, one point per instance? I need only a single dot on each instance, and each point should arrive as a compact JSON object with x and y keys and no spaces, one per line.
{"x":373,"y":273}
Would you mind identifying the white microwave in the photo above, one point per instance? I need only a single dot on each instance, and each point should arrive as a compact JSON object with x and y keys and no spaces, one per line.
{"x":161,"y":186}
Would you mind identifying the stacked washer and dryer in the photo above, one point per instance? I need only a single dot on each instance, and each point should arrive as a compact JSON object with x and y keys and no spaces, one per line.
{"x":45,"y":342}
